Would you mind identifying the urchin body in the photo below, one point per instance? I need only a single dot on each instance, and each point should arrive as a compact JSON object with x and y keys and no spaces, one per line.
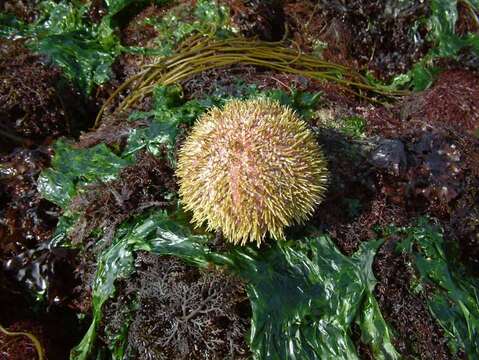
{"x":250,"y":169}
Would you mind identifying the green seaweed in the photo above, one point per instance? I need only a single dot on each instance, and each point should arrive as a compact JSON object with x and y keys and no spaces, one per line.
{"x":170,"y":110}
{"x":11,"y":27}
{"x":303,"y":102}
{"x":446,"y":43}
{"x":118,"y":340}
{"x":116,"y":262}
{"x":73,"y":168}
{"x":305,"y":294}
{"x":442,"y":29}
{"x":453,"y":296}
{"x":301,"y":272}
{"x":84,"y":51}
{"x":354,"y":126}
{"x":63,"y":32}
{"x":207,"y":17}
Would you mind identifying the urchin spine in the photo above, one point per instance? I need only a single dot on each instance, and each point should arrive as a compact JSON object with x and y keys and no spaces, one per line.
{"x":250,"y":169}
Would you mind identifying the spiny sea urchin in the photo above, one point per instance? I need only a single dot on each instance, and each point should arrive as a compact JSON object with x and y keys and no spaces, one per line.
{"x":250,"y":169}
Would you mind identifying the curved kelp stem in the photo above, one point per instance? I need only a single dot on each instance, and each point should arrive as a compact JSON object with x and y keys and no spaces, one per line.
{"x":202,"y":53}
{"x":33,"y":339}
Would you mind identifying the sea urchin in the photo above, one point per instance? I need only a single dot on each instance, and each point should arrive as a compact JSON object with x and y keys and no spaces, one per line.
{"x":250,"y":169}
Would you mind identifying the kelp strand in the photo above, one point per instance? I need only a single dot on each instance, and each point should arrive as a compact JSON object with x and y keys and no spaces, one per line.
{"x":201,"y":54}
{"x":36,"y":343}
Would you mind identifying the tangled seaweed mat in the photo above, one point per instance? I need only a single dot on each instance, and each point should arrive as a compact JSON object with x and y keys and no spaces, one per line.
{"x":304,"y":294}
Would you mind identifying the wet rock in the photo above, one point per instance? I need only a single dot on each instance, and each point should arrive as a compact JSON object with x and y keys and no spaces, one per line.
{"x":389,"y":155}
{"x":25,"y":218}
{"x":57,"y":328}
{"x":45,"y":272}
{"x":431,"y":177}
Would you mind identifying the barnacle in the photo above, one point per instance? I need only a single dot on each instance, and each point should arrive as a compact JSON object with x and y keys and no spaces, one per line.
{"x":250,"y":169}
